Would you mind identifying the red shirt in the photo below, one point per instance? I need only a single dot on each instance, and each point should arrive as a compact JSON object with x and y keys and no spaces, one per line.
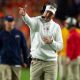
{"x":73,"y":44}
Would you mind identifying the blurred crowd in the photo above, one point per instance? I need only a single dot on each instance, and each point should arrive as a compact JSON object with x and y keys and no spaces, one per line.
{"x":67,"y":16}
{"x":10,"y":7}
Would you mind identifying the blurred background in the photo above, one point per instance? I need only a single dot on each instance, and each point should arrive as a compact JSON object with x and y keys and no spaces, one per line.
{"x":65,"y":9}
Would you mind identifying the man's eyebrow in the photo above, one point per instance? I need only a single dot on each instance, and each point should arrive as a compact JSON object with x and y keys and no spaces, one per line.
{"x":50,"y":12}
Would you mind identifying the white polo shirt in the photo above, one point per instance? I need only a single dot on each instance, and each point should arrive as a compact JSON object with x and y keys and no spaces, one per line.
{"x":40,"y":28}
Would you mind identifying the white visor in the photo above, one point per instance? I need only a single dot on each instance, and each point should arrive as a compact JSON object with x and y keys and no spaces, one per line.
{"x":50,"y":8}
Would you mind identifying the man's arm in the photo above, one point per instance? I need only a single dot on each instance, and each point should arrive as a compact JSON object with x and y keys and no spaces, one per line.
{"x":57,"y":44}
{"x":0,"y":41}
{"x":25,"y":50}
{"x":31,"y":22}
{"x":70,"y":48}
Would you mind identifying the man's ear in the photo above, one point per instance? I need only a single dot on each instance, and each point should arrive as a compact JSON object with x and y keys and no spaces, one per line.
{"x":43,"y":9}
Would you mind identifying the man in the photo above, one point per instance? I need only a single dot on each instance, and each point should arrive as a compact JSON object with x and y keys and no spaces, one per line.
{"x":12,"y":49}
{"x":73,"y":50}
{"x":46,"y":41}
{"x":78,"y":30}
{"x":62,"y":55}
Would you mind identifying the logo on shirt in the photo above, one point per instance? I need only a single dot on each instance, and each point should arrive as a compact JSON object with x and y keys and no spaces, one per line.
{"x":17,"y":36}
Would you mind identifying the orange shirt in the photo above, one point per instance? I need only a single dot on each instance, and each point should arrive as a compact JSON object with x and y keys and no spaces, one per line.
{"x":78,"y":30}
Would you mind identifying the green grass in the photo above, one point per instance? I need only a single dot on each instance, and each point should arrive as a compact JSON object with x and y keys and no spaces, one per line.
{"x":25,"y":74}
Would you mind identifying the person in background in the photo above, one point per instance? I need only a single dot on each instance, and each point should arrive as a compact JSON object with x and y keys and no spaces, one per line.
{"x":12,"y":49}
{"x":78,"y":30}
{"x":73,"y":51}
{"x":62,"y":55}
{"x":46,"y":42}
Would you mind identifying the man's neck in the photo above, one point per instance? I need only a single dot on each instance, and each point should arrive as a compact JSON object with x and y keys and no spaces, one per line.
{"x":45,"y":19}
{"x":9,"y":29}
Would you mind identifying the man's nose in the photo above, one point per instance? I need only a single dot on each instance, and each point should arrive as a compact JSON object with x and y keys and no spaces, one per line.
{"x":48,"y":14}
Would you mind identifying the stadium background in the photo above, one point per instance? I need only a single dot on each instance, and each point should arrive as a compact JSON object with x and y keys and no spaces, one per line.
{"x":66,"y":8}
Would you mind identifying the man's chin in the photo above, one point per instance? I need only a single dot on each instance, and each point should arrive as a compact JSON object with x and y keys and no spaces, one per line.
{"x":47,"y":20}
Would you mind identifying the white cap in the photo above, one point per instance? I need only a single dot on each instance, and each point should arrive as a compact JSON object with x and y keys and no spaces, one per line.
{"x":50,"y":8}
{"x":71,"y":21}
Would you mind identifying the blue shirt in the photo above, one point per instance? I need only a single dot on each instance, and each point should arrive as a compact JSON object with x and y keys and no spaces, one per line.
{"x":13,"y":47}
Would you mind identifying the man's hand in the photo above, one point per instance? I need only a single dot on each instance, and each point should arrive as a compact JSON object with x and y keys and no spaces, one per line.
{"x":22,"y":11}
{"x":68,"y":61}
{"x":78,"y":59}
{"x":47,"y":40}
{"x":25,"y":65}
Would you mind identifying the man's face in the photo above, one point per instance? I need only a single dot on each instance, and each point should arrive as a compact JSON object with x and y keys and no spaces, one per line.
{"x":9,"y":25}
{"x":48,"y":15}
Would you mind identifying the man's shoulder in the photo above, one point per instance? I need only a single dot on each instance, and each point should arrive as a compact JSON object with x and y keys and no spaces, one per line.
{"x":37,"y":17}
{"x":17,"y":31}
{"x":55,"y":24}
